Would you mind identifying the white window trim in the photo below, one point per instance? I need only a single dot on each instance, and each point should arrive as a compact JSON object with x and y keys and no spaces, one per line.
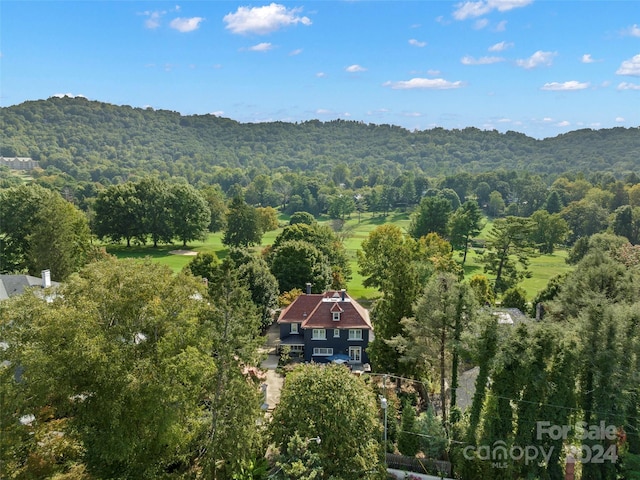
{"x":336,"y":333}
{"x":315,"y":334}
{"x":359,"y":350}
{"x":294,"y":329}
{"x":336,"y":316}
{"x":355,"y":334}
{"x":322,"y":351}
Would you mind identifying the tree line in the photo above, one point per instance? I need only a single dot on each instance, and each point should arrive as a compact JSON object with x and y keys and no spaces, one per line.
{"x":576,"y":366}
{"x":97,"y":142}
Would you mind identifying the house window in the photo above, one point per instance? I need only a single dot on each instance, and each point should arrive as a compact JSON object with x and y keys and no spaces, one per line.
{"x":319,"y":334}
{"x":336,"y":333}
{"x":297,"y":348}
{"x":336,"y":316}
{"x":355,"y":334}
{"x":322,"y":352}
{"x":294,"y":328}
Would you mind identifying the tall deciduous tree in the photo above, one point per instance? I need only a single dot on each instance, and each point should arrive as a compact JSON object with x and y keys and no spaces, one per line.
{"x":60,"y":240}
{"x":325,"y":240}
{"x":548,"y":230}
{"x":329,"y":403}
{"x":190,"y":214}
{"x":214,"y":196}
{"x":118,"y":213}
{"x":389,"y":262}
{"x":156,"y":220}
{"x":294,"y":263}
{"x":120,"y":355}
{"x":243,"y":225}
{"x":40,"y":230}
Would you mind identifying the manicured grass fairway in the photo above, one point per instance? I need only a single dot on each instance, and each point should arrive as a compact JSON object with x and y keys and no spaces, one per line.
{"x":542,"y":267}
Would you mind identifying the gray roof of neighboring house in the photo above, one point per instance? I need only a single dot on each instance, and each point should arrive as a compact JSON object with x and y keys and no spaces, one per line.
{"x":11,"y":285}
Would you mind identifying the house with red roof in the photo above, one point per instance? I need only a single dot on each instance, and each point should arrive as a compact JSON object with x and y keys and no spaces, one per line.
{"x":325,"y":327}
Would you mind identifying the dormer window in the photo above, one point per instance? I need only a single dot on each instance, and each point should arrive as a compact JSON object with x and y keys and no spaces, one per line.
{"x":335,"y":312}
{"x":294,"y":328}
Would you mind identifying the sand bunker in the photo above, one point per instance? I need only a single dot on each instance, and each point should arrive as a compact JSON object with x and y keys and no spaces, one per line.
{"x":183,"y":252}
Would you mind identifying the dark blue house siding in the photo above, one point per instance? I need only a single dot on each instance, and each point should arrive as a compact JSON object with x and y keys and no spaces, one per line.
{"x":340,"y":345}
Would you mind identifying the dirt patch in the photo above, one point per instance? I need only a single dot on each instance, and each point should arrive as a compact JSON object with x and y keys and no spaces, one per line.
{"x":183,"y":252}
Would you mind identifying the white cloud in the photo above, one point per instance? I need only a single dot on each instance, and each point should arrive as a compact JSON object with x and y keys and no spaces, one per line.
{"x":466,"y":10}
{"x":423,"y":83}
{"x":411,"y":114}
{"x":628,"y":86}
{"x":481,"y":23}
{"x":630,"y":67}
{"x":633,"y":30}
{"x":70,"y":95}
{"x":218,"y":113}
{"x":547,"y":119}
{"x":186,"y":24}
{"x":587,"y":58}
{"x":564,"y":123}
{"x":323,"y":111}
{"x":295,"y":52}
{"x":261,"y":47}
{"x":355,"y":69}
{"x":619,"y":119}
{"x":565,"y":86}
{"x":321,"y":75}
{"x":433,"y":72}
{"x":417,"y":43}
{"x":500,"y":47}
{"x":501,"y":27}
{"x":153,"y":19}
{"x":263,"y":20}
{"x":539,"y":58}
{"x":480,"y":61}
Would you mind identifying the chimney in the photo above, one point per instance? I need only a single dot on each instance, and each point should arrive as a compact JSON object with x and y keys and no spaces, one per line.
{"x":344,"y":294}
{"x":308,"y":288}
{"x":46,"y":278}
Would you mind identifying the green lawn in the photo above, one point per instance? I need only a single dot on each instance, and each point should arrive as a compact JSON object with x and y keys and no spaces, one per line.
{"x":542,"y":267}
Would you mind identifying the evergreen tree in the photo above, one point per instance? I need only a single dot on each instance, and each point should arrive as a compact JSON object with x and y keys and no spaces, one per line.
{"x":464,"y":224}
{"x":408,"y":441}
{"x":431,"y":216}
{"x":509,"y":237}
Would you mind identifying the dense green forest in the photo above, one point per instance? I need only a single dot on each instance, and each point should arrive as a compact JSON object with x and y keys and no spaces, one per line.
{"x":100,"y":142}
{"x":128,"y":373}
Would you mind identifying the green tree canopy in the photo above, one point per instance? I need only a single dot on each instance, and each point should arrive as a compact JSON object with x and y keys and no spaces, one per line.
{"x":40,"y":230}
{"x":330,"y":403}
{"x":243,"y":225}
{"x":431,"y":216}
{"x":294,"y":263}
{"x":509,"y":247}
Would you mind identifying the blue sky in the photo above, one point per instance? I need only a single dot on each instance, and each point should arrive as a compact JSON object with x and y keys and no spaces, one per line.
{"x":538,"y":67}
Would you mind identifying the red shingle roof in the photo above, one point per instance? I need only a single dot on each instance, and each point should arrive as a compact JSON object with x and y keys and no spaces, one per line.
{"x":316,"y":311}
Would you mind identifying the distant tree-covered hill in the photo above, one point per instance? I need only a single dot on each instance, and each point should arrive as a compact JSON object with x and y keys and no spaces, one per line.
{"x":100,"y":142}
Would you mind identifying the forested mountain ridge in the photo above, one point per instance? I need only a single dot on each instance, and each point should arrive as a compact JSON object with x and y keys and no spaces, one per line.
{"x":96,"y":141}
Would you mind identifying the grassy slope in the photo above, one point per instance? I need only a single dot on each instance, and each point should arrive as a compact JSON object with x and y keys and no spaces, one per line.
{"x":542,"y":267}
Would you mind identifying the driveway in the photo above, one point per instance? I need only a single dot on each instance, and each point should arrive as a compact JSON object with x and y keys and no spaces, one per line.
{"x":274,"y":380}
